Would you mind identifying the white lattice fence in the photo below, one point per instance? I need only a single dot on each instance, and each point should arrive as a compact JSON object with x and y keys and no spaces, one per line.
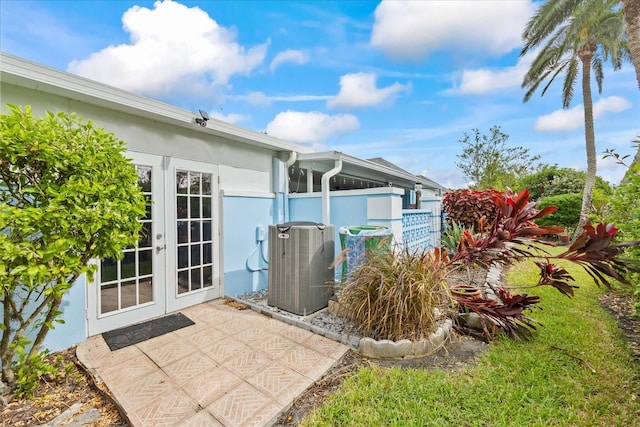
{"x":416,"y":229}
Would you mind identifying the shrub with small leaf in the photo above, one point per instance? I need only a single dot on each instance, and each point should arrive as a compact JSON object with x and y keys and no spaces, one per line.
{"x":67,"y":195}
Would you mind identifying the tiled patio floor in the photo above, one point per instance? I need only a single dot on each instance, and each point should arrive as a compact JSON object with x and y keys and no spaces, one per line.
{"x":232,"y":368}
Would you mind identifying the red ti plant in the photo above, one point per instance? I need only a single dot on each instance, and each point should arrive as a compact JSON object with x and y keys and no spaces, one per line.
{"x":514,"y":236}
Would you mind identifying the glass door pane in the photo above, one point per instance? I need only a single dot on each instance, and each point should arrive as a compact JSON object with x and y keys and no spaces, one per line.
{"x":128,"y":282}
{"x":193,"y":230}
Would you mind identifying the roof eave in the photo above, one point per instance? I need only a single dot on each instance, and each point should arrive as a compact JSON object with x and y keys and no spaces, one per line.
{"x":20,"y":72}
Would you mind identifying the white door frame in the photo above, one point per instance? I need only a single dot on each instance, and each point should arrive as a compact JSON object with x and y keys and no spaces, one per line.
{"x":164,"y":242}
{"x":97,"y":322}
{"x":174,"y":299}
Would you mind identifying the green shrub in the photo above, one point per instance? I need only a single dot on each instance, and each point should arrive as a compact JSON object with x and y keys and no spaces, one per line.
{"x":393,"y":296}
{"x":67,"y":195}
{"x":625,"y":213}
{"x":568,"y":213}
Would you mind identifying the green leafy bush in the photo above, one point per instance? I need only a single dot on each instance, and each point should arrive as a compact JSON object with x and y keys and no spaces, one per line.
{"x":67,"y":195}
{"x":625,"y":211}
{"x":467,"y":207}
{"x":568,"y":213}
{"x":553,"y":181}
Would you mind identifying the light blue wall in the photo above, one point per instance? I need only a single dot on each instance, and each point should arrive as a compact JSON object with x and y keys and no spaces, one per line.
{"x":344,"y":210}
{"x":241,"y":216}
{"x":73,"y":331}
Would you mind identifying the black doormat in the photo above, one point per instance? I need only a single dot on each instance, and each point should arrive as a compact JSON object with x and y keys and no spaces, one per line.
{"x":130,"y":335}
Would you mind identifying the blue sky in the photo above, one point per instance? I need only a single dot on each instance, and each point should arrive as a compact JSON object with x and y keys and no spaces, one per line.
{"x":401,"y":80}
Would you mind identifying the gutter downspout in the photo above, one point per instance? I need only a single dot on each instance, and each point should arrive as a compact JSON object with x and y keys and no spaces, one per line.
{"x":293,"y":156}
{"x":326,"y":206}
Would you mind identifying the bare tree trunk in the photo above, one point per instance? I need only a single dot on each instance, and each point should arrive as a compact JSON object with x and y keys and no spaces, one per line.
{"x":631,"y":11}
{"x":590,"y":142}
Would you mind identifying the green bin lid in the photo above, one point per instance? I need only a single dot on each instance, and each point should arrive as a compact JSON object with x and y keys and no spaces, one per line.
{"x":357,"y":229}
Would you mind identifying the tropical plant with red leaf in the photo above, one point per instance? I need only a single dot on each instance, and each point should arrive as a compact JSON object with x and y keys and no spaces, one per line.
{"x":467,"y":207}
{"x":514,"y":236}
{"x":506,"y":313}
{"x":558,"y":277}
{"x":593,"y":251}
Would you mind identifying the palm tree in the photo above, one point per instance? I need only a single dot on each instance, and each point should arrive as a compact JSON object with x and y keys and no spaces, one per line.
{"x":563,"y":9}
{"x":631,"y":12}
{"x":593,"y":34}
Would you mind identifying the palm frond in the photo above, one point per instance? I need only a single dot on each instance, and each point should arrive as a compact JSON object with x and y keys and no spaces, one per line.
{"x":569,"y":82}
{"x":598,"y":73}
{"x":569,"y":30}
{"x":545,"y":22}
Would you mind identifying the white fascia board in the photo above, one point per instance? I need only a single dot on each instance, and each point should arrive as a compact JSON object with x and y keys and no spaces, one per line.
{"x":320,"y":161}
{"x":20,"y":72}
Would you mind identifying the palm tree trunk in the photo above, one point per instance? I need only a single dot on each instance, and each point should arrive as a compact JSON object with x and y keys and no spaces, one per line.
{"x":631,"y":11}
{"x":590,"y":141}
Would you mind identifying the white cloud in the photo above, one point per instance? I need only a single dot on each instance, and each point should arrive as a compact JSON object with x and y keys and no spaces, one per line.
{"x":359,"y":90}
{"x":232,"y":118}
{"x":410,"y":30}
{"x":300,"y":98}
{"x":261,"y":99}
{"x":253,"y":98}
{"x":290,"y":55}
{"x":486,"y":80}
{"x":169,"y":44}
{"x":573,"y":118}
{"x":312,"y":127}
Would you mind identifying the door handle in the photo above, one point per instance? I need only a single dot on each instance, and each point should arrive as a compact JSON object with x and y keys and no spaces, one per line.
{"x":160,"y":247}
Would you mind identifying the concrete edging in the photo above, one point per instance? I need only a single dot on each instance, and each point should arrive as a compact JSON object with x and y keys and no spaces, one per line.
{"x":406,"y":349}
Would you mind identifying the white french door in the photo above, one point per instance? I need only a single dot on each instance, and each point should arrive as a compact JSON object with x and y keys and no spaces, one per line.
{"x":176,"y":261}
{"x":192,"y":234}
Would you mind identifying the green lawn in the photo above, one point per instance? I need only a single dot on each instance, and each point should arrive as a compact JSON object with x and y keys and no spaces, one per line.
{"x":515,"y":383}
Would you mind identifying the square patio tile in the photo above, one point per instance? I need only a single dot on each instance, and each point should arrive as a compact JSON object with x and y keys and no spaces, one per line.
{"x":296,"y":334}
{"x":166,"y":351}
{"x":239,"y":405}
{"x":254,"y":336}
{"x":307,"y":362}
{"x":247,"y":363}
{"x":225,"y":349}
{"x":211,"y":384}
{"x":145,"y":389}
{"x":275,"y":346}
{"x":264,"y":416}
{"x":128,"y":371}
{"x":201,"y":419}
{"x":325,"y":346}
{"x":189,"y":367}
{"x":280,"y":383}
{"x":166,"y":410}
{"x":206,"y":337}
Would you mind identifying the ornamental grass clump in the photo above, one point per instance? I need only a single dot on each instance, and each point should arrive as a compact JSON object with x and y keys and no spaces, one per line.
{"x":394,"y":295}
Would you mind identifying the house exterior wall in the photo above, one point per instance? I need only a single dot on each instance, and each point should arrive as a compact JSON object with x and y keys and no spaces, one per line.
{"x":245,"y":258}
{"x":375,"y":206}
{"x":247,"y":197}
